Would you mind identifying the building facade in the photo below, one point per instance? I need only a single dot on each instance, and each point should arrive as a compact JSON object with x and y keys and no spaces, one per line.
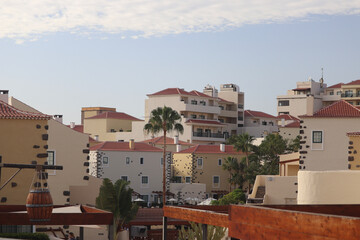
{"x":259,"y":124}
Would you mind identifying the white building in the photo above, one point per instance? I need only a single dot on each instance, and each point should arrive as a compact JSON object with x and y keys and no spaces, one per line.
{"x":259,"y":124}
{"x":138,"y":163}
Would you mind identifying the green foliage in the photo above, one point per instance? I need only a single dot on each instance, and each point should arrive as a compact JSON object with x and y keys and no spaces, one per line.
{"x":294,"y":144}
{"x":195,"y":232}
{"x":33,"y":236}
{"x":236,"y":171}
{"x":235,"y":197}
{"x":270,"y":148}
{"x":116,"y":198}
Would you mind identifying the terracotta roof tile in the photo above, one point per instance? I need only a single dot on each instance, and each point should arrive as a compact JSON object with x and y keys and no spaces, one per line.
{"x":215,"y":122}
{"x":287,"y":117}
{"x":250,"y":113}
{"x":160,"y":140}
{"x":199,"y":94}
{"x":223,"y":100}
{"x":9,"y":112}
{"x":229,"y":149}
{"x":338,"y":85}
{"x":338,"y":109}
{"x":356,"y":82}
{"x":115,"y":115}
{"x":78,"y":128}
{"x":171,"y":91}
{"x":353,"y":134}
{"x":124,"y":146}
{"x":295,"y":124}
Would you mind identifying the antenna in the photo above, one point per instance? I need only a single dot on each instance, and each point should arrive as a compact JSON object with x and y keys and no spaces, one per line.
{"x":322,"y":78}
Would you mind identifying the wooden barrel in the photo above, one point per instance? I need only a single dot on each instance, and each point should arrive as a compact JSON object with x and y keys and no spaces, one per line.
{"x":39,"y":205}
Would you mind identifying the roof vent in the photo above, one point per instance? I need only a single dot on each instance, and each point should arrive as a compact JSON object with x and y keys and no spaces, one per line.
{"x":222,"y":147}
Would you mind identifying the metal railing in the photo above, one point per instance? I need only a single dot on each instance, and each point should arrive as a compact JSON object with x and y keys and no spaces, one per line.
{"x":208,"y":135}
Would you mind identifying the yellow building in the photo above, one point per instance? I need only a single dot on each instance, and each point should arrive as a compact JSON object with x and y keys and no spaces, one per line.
{"x":289,"y":164}
{"x":354,"y":147}
{"x":23,"y":140}
{"x":203,"y":164}
{"x":107,"y":125}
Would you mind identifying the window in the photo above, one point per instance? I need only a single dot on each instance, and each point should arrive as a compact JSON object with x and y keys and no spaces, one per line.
{"x":283,"y":113}
{"x":202,"y":116}
{"x":194,"y":102}
{"x":141,"y":160}
{"x":144,"y":181}
{"x":187,"y":179}
{"x":284,"y":103}
{"x":331,"y":93}
{"x":125,"y":178}
{"x":221,"y":107}
{"x":193,"y":116}
{"x":51,"y":157}
{"x":145,"y":198}
{"x":221,"y":120}
{"x":264,"y":123}
{"x":216,"y":181}
{"x":317,"y":137}
{"x":199,"y":163}
{"x":338,"y":93}
{"x":176,"y":179}
{"x":51,"y":161}
{"x":161,"y":162}
{"x":105,"y":161}
{"x":127,"y":160}
{"x":219,"y":162}
{"x":203,"y":103}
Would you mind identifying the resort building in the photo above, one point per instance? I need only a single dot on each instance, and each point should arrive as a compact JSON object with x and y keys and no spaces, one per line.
{"x":106,"y":125}
{"x":203,"y":164}
{"x":349,"y":92}
{"x":139,"y":163}
{"x":172,"y":144}
{"x":259,"y":124}
{"x":306,"y":98}
{"x":324,"y":143}
{"x":23,"y":140}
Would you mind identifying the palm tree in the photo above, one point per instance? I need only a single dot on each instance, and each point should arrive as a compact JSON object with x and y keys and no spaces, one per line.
{"x":243,"y":142}
{"x":116,"y":198}
{"x":236,"y":171}
{"x":164,"y":119}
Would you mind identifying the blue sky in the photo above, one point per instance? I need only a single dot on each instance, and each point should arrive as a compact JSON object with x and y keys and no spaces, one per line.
{"x":61,"y":58}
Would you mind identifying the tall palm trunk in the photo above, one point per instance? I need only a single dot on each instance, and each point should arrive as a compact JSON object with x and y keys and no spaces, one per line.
{"x":164,"y":168}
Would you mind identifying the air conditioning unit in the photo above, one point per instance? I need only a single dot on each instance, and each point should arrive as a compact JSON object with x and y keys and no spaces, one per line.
{"x":138,"y":231}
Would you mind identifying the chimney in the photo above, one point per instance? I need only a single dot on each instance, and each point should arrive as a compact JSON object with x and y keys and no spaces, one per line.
{"x":96,"y":138}
{"x":132,"y":144}
{"x":176,"y":140}
{"x":72,"y":124}
{"x":178,"y":147}
{"x":4,"y":96}
{"x":310,"y":105}
{"x":58,"y":118}
{"x":222,"y":147}
{"x":283,"y":122}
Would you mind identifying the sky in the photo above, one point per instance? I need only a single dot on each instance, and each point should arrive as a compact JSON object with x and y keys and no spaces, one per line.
{"x":59,"y":56}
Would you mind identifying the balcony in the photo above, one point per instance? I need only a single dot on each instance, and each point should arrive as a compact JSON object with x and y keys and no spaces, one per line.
{"x":201,"y":108}
{"x":208,"y":135}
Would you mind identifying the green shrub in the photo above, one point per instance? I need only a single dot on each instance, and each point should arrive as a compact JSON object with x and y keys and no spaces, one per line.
{"x":235,"y":197}
{"x":32,"y":236}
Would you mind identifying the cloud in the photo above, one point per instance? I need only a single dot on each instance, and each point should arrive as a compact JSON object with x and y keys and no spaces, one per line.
{"x":24,"y":20}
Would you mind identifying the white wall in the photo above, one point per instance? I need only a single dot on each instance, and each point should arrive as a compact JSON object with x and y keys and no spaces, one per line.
{"x":329,"y":187}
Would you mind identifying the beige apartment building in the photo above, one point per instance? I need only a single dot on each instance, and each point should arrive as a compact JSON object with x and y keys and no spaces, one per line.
{"x":203,"y":164}
{"x":349,"y":92}
{"x":324,"y":143}
{"x":306,"y":98}
{"x":107,"y":125}
{"x":259,"y":124}
{"x":208,"y":117}
{"x":289,"y":126}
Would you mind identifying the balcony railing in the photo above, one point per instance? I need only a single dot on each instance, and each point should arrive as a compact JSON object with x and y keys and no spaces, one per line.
{"x":208,"y":135}
{"x":350,"y":95}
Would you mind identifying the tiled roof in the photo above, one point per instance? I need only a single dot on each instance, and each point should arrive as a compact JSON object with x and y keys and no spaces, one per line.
{"x":338,"y":109}
{"x":124,"y":146}
{"x":171,"y":91}
{"x":199,"y":94}
{"x":160,"y":140}
{"x":338,"y":85}
{"x":250,"y":113}
{"x":287,"y":117}
{"x":223,"y":100}
{"x":295,"y":124}
{"x":215,"y":122}
{"x":78,"y":128}
{"x":356,"y":82}
{"x":115,"y":115}
{"x":229,"y":149}
{"x":10,"y":112}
